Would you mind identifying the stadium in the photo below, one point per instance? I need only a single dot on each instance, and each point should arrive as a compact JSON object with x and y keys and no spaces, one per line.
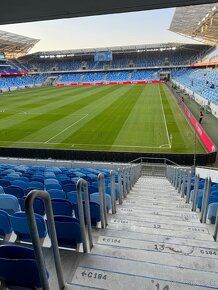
{"x":108,"y":156}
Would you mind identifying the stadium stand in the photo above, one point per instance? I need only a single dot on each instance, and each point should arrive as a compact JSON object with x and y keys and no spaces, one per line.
{"x":202,"y":81}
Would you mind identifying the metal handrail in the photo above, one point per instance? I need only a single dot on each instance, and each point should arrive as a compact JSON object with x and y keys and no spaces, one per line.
{"x":188,"y":187}
{"x":36,"y":241}
{"x":113,"y":198}
{"x":216,"y":227}
{"x":81,"y":182}
{"x":195,"y":193}
{"x":204,"y":198}
{"x":120,"y":186}
{"x":124,"y":183}
{"x":205,"y":204}
{"x":153,"y":158}
{"x":102,"y":200}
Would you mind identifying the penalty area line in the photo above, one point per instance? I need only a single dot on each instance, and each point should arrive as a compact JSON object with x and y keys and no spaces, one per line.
{"x":65,"y":129}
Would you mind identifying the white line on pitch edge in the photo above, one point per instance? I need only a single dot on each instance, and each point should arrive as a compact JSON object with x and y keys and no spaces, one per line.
{"x":66,"y":128}
{"x":164,"y":116}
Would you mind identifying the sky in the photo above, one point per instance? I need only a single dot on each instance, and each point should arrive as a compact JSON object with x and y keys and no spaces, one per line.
{"x":145,"y":27}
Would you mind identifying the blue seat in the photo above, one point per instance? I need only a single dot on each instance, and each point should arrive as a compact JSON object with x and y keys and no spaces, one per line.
{"x":9,"y":203}
{"x":18,"y":267}
{"x":95,"y":198}
{"x":51,"y":181}
{"x":20,"y":183}
{"x":72,"y":196}
{"x":36,"y":185}
{"x":5,"y":225}
{"x":20,"y":226}
{"x":56,"y":193}
{"x":212,"y":199}
{"x":62,"y":206}
{"x":94,"y":212}
{"x":38,"y":205}
{"x":1,"y":190}
{"x":69,"y":187}
{"x":4,"y":183}
{"x":68,"y":231}
{"x":14,"y":190}
{"x":212,"y":210}
{"x":53,"y":186}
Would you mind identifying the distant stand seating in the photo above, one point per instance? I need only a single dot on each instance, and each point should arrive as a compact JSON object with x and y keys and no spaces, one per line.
{"x":201,"y":81}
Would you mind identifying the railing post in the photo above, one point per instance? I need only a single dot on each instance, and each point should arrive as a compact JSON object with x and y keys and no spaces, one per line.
{"x":188,"y":186}
{"x":120,"y":187}
{"x":124,"y":182}
{"x":180,"y":180}
{"x":113,"y":197}
{"x":177,"y":176}
{"x":194,"y":203}
{"x":204,"y":207}
{"x":183,"y":183}
{"x":102,"y":200}
{"x":36,"y":241}
{"x":81,"y":182}
{"x":216,"y":227}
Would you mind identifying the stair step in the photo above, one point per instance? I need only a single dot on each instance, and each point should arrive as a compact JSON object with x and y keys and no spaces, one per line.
{"x":200,"y":263}
{"x":125,"y":274}
{"x":164,"y":247}
{"x":126,"y":234}
{"x":137,"y":215}
{"x":163,"y":223}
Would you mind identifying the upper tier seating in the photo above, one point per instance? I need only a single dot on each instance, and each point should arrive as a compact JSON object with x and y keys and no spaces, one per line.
{"x":202,"y":82}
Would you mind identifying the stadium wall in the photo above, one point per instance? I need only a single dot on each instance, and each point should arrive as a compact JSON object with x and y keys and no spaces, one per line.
{"x":104,"y":156}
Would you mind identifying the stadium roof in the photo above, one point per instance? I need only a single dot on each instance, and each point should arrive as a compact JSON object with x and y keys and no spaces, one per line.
{"x":15,"y":11}
{"x":198,"y":22}
{"x":118,"y":49}
{"x":14,"y":45}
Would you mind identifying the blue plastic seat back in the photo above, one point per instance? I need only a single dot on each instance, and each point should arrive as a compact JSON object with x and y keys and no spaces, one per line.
{"x":4,"y":183}
{"x":38,"y":205}
{"x":53,"y":186}
{"x":62,"y":206}
{"x":20,"y":226}
{"x":212,"y":211}
{"x":36,"y":185}
{"x":5,"y":225}
{"x":95,"y":198}
{"x":51,"y":181}
{"x":94,"y":212}
{"x":72,"y":196}
{"x":14,"y":190}
{"x":18,"y":267}
{"x":9,"y":203}
{"x":56,"y":193}
{"x":1,"y":190}
{"x":69,"y":187}
{"x":92,"y":189}
{"x":212,"y":199}
{"x":20,"y":183}
{"x":68,"y":231}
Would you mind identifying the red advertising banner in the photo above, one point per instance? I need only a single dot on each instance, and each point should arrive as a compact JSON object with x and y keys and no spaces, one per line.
{"x":110,"y":83}
{"x":3,"y":74}
{"x":206,"y":63}
{"x":199,"y":130}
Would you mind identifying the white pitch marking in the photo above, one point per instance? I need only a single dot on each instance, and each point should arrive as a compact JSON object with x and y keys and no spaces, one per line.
{"x":66,"y":128}
{"x":96,"y":145}
{"x":168,"y":137}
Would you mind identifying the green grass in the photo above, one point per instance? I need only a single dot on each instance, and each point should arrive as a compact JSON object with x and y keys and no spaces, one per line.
{"x":138,"y":118}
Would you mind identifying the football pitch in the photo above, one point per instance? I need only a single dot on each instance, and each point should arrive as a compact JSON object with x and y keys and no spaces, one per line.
{"x":135,"y":118}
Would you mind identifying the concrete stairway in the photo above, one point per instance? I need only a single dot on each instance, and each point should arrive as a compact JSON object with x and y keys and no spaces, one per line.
{"x":154,"y":242}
